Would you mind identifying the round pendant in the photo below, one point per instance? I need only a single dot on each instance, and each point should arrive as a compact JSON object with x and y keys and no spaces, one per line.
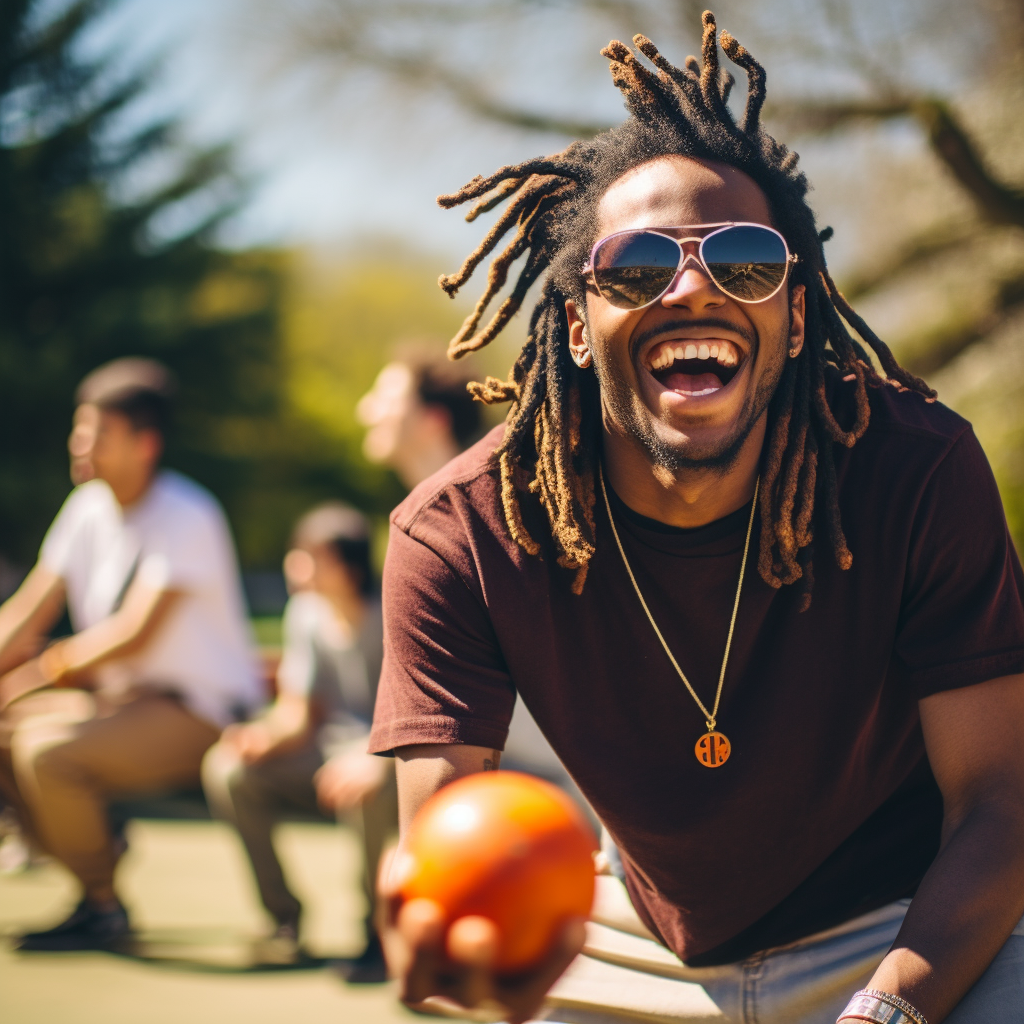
{"x":713,"y":749}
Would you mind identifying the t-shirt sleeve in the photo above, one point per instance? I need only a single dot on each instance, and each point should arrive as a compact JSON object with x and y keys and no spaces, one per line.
{"x":962,"y":615}
{"x":444,"y":679}
{"x":59,"y":544}
{"x":297,"y":671}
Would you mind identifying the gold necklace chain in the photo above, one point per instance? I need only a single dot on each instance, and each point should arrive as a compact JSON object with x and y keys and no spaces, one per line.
{"x":709,"y":716}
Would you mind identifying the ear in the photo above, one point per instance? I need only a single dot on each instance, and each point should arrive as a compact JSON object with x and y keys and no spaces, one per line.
{"x":152,"y":446}
{"x":797,"y":312}
{"x":579,"y":344}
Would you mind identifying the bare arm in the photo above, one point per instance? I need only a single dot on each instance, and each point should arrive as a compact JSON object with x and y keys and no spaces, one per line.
{"x":28,"y":615}
{"x":283,"y":727}
{"x":453,"y":963}
{"x":68,"y":661}
{"x":124,"y":632}
{"x":423,"y":770}
{"x":973,"y":894}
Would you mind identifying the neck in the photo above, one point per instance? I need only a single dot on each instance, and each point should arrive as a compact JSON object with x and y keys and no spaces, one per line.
{"x":414,"y":465}
{"x":130,"y":491}
{"x":685,"y":498}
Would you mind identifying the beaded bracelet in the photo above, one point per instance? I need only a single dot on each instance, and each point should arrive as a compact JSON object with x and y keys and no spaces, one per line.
{"x":881,"y":1008}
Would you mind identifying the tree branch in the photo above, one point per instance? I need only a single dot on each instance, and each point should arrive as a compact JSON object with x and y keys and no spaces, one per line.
{"x":998,"y":203}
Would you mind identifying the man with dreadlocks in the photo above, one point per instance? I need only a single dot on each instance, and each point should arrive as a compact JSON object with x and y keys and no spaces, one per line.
{"x":813,"y":772}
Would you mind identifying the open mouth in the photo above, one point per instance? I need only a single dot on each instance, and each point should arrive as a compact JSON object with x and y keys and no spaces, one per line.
{"x":695,"y":368}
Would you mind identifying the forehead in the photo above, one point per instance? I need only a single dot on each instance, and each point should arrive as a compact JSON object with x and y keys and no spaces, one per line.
{"x":394,"y":380}
{"x":676,"y":190}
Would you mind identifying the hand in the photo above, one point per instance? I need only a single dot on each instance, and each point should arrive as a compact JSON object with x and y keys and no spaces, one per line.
{"x":348,"y":780}
{"x":23,"y":680}
{"x":251,"y":741}
{"x":435,"y":964}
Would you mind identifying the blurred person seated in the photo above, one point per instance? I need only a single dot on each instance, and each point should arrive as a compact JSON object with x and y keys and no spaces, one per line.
{"x":418,"y":416}
{"x":160,"y":660}
{"x":308,"y":750}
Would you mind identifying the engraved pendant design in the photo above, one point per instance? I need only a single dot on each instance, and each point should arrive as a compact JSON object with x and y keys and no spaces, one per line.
{"x":713,"y":749}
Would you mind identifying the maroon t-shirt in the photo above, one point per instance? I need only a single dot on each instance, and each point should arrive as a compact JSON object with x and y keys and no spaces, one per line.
{"x":827,"y":807}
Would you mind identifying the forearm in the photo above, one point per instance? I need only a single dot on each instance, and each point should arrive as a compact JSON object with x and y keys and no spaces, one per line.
{"x":28,"y":614}
{"x":423,"y":770}
{"x":116,"y":636}
{"x":287,"y":723}
{"x":966,"y":907}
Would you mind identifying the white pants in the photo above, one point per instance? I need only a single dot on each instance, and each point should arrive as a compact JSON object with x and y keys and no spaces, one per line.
{"x":624,"y":975}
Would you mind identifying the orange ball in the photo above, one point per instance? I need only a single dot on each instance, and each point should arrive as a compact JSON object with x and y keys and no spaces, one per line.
{"x":508,"y":847}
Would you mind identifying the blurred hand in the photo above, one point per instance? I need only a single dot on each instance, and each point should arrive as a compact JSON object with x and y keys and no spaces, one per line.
{"x":437,"y":965}
{"x":21,"y":681}
{"x":251,"y":741}
{"x":347,"y":780}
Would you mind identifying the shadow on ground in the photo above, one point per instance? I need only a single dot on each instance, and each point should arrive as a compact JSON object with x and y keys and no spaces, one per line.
{"x":196,"y":957}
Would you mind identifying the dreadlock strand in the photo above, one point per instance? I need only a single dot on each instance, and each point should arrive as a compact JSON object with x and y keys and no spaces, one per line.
{"x":686,"y":81}
{"x":451,"y":283}
{"x":710,"y":69}
{"x":510,"y":504}
{"x":492,"y":391}
{"x":808,"y":481}
{"x":778,"y":440}
{"x":786,"y":531}
{"x":824,"y":411}
{"x":644,"y":92}
{"x":728,"y":81}
{"x":756,"y":81}
{"x":461,"y":344}
{"x":892,"y":368}
{"x":559,"y":165}
{"x":488,"y":203}
{"x":833,"y":518}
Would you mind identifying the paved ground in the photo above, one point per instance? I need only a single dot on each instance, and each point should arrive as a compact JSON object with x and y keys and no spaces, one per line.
{"x":196,"y":912}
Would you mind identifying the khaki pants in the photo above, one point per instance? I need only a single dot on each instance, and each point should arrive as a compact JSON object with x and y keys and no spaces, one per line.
{"x":255,"y":797}
{"x":63,"y":754}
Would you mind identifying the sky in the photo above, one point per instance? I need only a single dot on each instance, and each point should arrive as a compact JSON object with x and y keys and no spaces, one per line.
{"x":332,"y":174}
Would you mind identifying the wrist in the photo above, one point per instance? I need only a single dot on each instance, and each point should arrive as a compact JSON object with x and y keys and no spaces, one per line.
{"x":54,"y":664}
{"x":878,"y":1007}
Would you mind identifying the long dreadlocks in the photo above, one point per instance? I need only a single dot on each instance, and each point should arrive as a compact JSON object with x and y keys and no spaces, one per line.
{"x":551,"y":439}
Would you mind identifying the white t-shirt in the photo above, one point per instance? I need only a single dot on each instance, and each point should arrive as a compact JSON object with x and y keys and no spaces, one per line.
{"x":174,"y":538}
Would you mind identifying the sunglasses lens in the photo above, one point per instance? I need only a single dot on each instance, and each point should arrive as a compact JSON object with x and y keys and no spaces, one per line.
{"x":746,"y":261}
{"x":633,"y":268}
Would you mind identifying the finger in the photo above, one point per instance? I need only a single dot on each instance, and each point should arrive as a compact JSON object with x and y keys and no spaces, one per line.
{"x":473,"y":942}
{"x":524,"y":996}
{"x":421,"y":925}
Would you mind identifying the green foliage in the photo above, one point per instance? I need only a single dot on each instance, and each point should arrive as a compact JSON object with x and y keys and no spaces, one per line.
{"x":84,"y":280}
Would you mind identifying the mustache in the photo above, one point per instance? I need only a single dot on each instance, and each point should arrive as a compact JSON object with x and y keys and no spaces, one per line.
{"x":743,"y":330}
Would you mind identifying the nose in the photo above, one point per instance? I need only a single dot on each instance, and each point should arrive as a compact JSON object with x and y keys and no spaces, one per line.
{"x":692,"y":288}
{"x":81,"y":440}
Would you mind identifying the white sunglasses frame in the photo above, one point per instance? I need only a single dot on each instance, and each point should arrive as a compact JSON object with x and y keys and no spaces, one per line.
{"x":713,"y":229}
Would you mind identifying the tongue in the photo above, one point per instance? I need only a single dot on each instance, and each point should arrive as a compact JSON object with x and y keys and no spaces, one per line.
{"x":692,"y":383}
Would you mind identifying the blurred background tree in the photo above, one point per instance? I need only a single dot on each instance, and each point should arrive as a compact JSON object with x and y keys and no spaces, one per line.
{"x":122,"y":234}
{"x":110,"y":248}
{"x":908,"y":112}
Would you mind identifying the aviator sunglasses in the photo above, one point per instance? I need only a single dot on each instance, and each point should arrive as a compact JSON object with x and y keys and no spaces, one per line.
{"x":632,"y":269}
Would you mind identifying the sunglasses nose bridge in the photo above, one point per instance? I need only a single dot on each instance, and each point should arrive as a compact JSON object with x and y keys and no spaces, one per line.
{"x":689,"y":251}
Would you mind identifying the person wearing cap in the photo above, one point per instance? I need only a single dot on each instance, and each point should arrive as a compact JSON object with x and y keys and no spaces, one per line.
{"x":160,"y":659}
{"x":308,"y":750}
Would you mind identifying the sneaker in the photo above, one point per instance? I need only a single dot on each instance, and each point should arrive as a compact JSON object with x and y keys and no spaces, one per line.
{"x":369,"y":968}
{"x":86,"y":928}
{"x":281,"y":947}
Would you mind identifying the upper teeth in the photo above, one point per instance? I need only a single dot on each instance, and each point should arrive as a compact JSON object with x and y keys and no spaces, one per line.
{"x":725,"y":352}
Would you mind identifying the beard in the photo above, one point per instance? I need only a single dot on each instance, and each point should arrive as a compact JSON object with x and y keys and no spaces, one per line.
{"x":626,"y":409}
